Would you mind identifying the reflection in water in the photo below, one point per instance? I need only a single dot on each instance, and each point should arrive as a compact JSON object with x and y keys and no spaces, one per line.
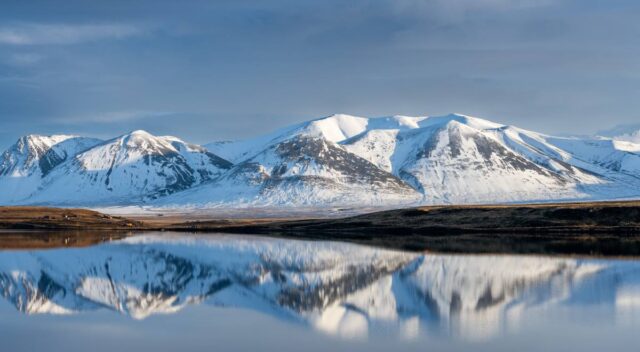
{"x":340,"y":289}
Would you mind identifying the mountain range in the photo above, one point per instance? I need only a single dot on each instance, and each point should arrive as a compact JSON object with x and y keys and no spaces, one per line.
{"x":340,"y":160}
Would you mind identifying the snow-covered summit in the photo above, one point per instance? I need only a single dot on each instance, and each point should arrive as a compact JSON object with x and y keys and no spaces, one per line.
{"x":38,"y":154}
{"x":128,"y":168}
{"x":24,"y":165}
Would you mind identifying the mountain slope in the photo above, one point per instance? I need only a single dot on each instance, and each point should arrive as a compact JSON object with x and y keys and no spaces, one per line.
{"x":449,"y":161}
{"x":609,"y":154}
{"x":303,"y":170}
{"x":461,"y":159}
{"x":458,"y":164}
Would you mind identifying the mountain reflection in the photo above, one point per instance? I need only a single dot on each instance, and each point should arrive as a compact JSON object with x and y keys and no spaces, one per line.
{"x":341,"y":289}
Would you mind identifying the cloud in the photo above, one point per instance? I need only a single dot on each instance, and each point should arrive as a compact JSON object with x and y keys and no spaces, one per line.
{"x":113,"y":116}
{"x":23,"y":59}
{"x":456,"y":12}
{"x":43,"y":34}
{"x":470,"y":5}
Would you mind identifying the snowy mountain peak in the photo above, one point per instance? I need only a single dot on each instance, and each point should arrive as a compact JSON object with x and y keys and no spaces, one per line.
{"x":138,"y":137}
{"x":140,"y":133}
{"x":22,"y":158}
{"x":149,"y":142}
{"x":474,"y":122}
{"x":38,"y":154}
{"x":128,"y":168}
{"x":338,"y":127}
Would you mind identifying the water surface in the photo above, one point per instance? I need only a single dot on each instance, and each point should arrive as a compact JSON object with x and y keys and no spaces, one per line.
{"x":169,"y":292}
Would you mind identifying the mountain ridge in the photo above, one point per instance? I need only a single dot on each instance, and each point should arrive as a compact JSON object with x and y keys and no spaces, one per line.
{"x":339,"y":160}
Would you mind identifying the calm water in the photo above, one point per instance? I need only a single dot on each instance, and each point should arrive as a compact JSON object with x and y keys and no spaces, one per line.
{"x":169,"y":292}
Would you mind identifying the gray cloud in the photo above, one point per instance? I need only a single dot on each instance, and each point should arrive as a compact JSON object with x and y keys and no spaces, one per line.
{"x":111,"y":117}
{"x":39,"y":34}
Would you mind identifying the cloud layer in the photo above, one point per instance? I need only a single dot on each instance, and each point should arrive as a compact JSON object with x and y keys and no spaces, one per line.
{"x":226,"y":69}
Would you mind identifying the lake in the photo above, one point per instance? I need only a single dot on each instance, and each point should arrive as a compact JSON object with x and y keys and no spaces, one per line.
{"x":177,"y":292}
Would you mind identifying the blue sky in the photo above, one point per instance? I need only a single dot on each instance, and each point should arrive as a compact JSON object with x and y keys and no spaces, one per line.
{"x":210,"y":70}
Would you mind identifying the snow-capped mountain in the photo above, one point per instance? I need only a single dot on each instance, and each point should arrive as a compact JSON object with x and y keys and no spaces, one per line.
{"x":333,"y":161}
{"x":36,"y":154}
{"x":304,"y":169}
{"x":131,"y":167}
{"x":337,"y":288}
{"x":463,"y":159}
{"x":459,"y":159}
{"x":31,"y":158}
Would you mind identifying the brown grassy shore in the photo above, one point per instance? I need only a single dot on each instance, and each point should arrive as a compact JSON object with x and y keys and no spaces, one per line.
{"x":44,"y":218}
{"x":607,"y":228}
{"x":596,"y":228}
{"x":611,"y":217}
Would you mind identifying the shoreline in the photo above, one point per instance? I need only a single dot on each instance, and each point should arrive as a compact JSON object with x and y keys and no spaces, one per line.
{"x":594,"y":228}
